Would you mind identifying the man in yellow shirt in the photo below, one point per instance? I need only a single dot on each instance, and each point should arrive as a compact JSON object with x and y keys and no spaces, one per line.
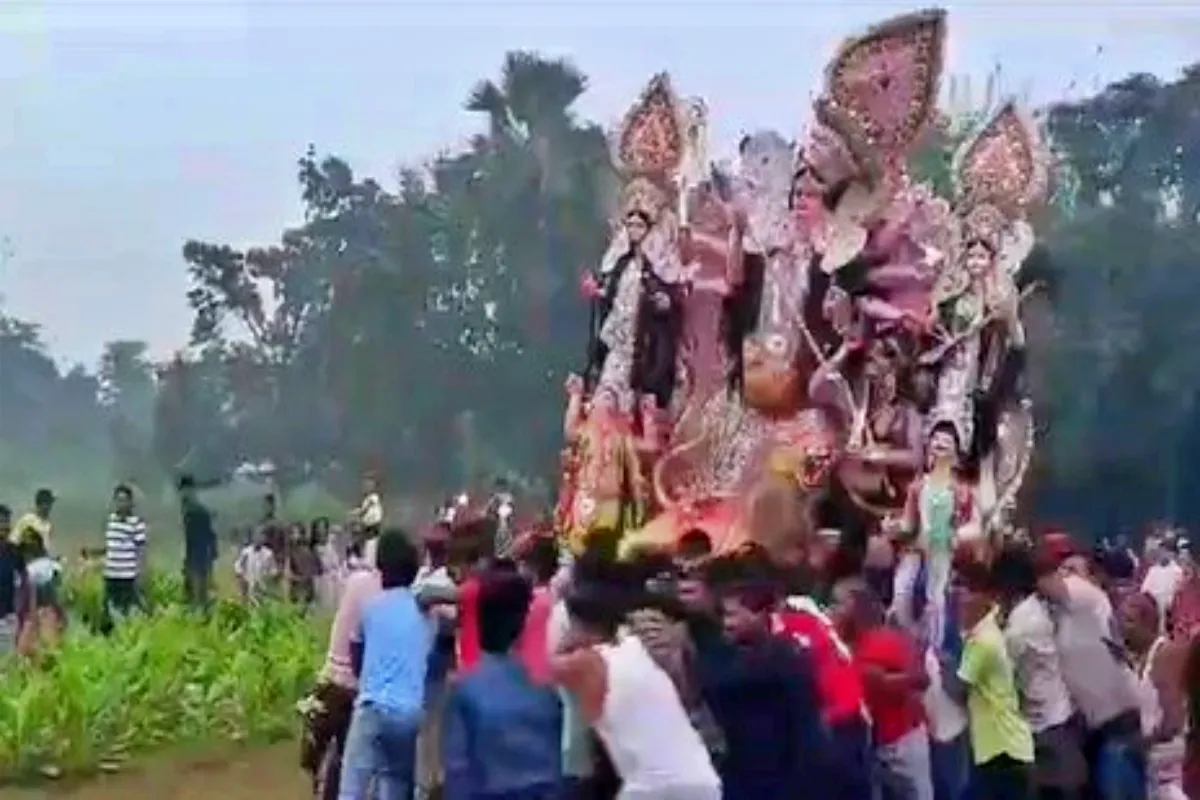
{"x":1001,"y":739}
{"x":33,"y":529}
{"x":31,"y":536}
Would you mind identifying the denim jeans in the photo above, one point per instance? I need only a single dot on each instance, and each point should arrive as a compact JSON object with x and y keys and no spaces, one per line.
{"x":951,"y":767}
{"x":381,"y":755}
{"x":1119,"y":770}
{"x":851,"y":754}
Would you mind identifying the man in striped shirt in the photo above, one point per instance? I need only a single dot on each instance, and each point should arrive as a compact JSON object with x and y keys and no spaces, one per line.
{"x":124,"y":544}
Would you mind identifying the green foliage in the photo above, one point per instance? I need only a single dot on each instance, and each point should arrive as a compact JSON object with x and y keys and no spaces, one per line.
{"x":161,"y":681}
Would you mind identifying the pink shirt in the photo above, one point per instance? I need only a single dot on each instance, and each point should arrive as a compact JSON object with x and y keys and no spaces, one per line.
{"x":532,"y":648}
{"x":361,"y":585}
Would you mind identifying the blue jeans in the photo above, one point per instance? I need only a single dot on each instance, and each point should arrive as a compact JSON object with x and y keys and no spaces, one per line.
{"x":950,"y":763}
{"x":1119,"y":772}
{"x":381,"y":754}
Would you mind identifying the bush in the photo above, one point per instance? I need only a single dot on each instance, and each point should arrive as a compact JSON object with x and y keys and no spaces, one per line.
{"x":162,"y":680}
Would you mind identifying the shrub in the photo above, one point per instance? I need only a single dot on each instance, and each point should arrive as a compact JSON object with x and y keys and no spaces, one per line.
{"x":166,"y":679}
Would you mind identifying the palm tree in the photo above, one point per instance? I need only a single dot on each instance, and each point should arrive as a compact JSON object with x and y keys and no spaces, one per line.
{"x":534,"y":186}
{"x":539,"y":176}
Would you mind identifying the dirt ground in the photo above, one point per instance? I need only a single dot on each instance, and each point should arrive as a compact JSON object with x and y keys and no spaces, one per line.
{"x":268,"y":773}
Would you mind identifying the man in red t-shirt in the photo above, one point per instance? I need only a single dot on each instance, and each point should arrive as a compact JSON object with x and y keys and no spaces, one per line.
{"x":841,"y":692}
{"x":894,"y":680}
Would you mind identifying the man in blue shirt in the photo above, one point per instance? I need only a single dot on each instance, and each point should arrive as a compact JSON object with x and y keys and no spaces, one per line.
{"x":391,"y":653}
{"x":503,"y":732}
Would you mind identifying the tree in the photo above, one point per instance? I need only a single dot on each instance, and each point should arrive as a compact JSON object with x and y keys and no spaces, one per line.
{"x":536,"y":188}
{"x":126,"y":394}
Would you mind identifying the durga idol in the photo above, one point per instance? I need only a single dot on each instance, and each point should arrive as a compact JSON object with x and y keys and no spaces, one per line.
{"x":618,"y":410}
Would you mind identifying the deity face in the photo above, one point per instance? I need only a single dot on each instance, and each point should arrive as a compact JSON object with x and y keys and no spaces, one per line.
{"x":636,"y":227}
{"x":807,"y":186}
{"x":817,"y":464}
{"x":979,"y":259}
{"x":943,"y":444}
{"x":770,"y":381}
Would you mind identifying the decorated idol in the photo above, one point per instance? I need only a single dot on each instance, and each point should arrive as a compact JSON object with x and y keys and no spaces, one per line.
{"x":618,"y":409}
{"x":837,"y":234}
{"x":1001,"y":176}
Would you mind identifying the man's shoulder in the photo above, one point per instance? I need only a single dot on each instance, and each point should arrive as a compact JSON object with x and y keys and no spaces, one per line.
{"x":1028,"y":617}
{"x":30,"y":521}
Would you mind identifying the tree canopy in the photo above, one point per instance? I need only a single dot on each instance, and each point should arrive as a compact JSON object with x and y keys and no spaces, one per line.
{"x":424,"y":328}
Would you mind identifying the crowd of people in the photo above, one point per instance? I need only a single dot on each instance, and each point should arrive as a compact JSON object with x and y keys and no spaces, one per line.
{"x":453,"y":672}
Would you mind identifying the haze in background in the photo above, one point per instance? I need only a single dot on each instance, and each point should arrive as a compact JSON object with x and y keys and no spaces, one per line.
{"x":131,"y":126}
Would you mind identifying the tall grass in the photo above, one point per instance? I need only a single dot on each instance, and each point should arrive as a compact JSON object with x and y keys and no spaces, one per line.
{"x":161,"y":680}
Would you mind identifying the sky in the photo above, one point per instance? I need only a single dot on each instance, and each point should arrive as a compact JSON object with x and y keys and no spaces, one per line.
{"x":130,"y":126}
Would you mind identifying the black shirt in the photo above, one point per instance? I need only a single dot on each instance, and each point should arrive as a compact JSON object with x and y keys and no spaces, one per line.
{"x":12,"y":575}
{"x":200,"y":540}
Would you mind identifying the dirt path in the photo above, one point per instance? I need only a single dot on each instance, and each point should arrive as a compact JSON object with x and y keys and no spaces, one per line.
{"x":269,"y":773}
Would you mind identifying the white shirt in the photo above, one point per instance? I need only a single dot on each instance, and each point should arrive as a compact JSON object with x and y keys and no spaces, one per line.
{"x":644,"y":727}
{"x":124,"y":541}
{"x":1101,"y":685}
{"x":1162,"y":582}
{"x":947,"y":719}
{"x":256,"y":566}
{"x":1029,"y":639}
{"x":370,"y":513}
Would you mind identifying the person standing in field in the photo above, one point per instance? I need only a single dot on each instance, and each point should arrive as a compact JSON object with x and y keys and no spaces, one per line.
{"x":303,"y":567}
{"x":257,"y":569}
{"x":36,"y":523}
{"x":369,"y":513}
{"x":200,"y":544}
{"x":124,"y":548}
{"x":32,"y":535}
{"x":16,"y":592}
{"x":390,"y":649}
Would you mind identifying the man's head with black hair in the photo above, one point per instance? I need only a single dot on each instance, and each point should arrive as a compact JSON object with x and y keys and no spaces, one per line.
{"x":541,"y":561}
{"x":5,"y":521}
{"x":123,"y":500}
{"x":396,"y":559}
{"x":43,"y":502}
{"x":694,"y":546}
{"x":604,"y":542}
{"x":856,"y":608}
{"x":503,"y":604}
{"x":600,"y":596}
{"x":1014,"y":573}
{"x":186,"y":484}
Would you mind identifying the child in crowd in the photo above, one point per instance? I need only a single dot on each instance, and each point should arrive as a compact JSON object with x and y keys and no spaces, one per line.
{"x":256,"y":568}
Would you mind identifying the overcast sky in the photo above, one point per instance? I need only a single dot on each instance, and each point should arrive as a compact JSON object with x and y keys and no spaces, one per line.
{"x":128,"y":126}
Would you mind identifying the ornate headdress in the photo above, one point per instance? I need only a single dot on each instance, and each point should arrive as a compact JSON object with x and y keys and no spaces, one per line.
{"x":650,"y":149}
{"x":880,"y":94}
{"x":1001,"y":174}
